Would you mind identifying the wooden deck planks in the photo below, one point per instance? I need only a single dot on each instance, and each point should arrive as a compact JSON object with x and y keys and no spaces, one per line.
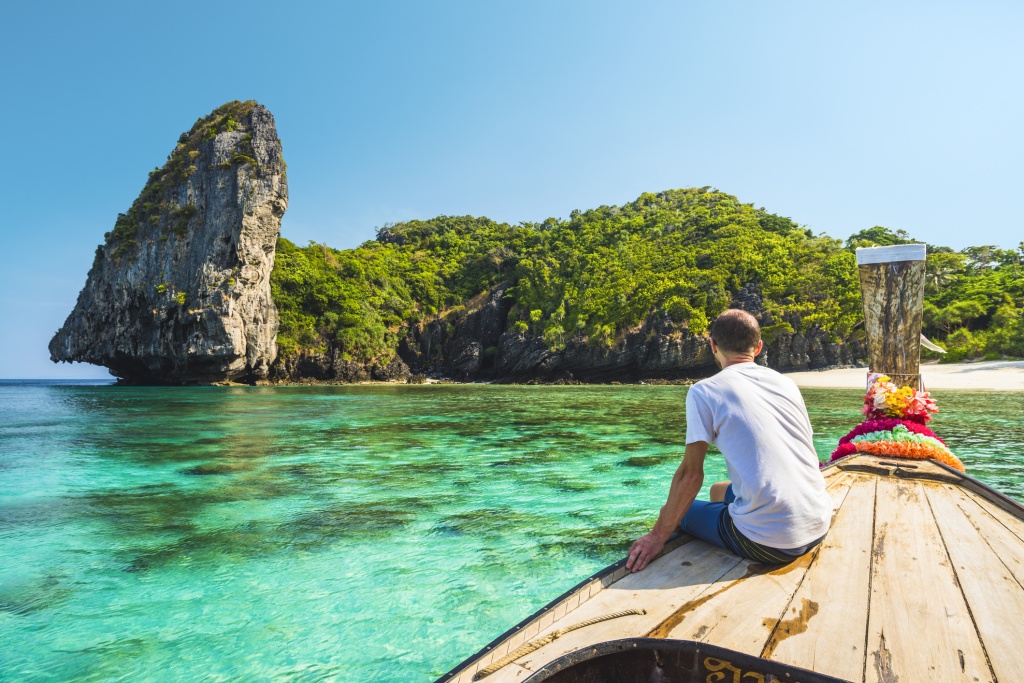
{"x":919,"y":626}
{"x":994,"y":596}
{"x":1006,"y":545}
{"x":703,"y":583}
{"x":837,"y":587}
{"x":741,"y":615}
{"x":919,"y":580}
{"x":668,"y":582}
{"x":1014,"y":524}
{"x":752,"y":601}
{"x":507,"y":674}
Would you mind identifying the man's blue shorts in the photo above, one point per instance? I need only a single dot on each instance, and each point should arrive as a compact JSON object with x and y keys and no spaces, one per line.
{"x":711,"y":522}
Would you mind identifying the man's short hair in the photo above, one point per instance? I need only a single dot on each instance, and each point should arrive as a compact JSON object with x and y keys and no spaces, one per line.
{"x":736,"y":331}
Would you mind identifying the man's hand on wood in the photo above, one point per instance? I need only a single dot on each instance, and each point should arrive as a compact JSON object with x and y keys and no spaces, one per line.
{"x":686,"y":484}
{"x":643,"y":550}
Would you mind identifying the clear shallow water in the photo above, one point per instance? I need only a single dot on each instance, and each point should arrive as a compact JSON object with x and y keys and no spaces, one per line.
{"x":340,"y":533}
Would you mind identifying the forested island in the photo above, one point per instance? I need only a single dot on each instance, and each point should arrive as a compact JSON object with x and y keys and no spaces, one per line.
{"x":194,"y":285}
{"x":586,"y":288}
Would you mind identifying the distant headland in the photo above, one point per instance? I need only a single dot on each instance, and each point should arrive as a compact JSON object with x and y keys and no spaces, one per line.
{"x":194,"y":285}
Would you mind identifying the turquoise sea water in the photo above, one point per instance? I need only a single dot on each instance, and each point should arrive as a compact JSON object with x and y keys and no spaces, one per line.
{"x":340,"y":533}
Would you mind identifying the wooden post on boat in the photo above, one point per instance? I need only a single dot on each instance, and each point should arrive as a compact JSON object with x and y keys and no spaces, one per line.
{"x":892,"y":291}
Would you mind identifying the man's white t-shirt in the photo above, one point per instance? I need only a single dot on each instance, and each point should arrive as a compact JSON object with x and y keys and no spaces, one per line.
{"x":757,"y":419}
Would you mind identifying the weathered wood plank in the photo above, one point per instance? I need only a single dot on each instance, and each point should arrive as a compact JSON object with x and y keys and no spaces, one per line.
{"x":837,"y":588}
{"x":664,"y":586}
{"x":558,"y":610}
{"x":994,"y":596}
{"x":1006,"y":545}
{"x":919,"y":626}
{"x":511,"y":672}
{"x":750,"y":603}
{"x":1006,"y":513}
{"x":901,"y":468}
{"x":832,"y":475}
{"x":667,"y":583}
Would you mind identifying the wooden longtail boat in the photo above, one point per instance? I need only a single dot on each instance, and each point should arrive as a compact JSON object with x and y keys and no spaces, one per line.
{"x":921,"y":577}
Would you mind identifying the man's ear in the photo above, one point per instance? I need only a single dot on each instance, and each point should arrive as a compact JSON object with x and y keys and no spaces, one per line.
{"x":760,"y":345}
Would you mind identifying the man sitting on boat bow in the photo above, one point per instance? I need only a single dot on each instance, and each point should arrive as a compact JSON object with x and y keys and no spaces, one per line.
{"x":775,"y":507}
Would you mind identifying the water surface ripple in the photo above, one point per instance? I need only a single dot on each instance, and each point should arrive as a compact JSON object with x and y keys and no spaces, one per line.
{"x":340,"y":533}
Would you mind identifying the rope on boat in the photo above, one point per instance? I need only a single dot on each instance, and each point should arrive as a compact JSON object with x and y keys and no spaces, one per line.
{"x":544,"y":640}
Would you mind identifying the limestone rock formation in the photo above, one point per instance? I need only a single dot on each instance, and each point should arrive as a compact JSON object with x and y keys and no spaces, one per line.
{"x":179,"y":292}
{"x":814,"y":350}
{"x":788,"y":350}
{"x":476,"y":344}
{"x":330,"y":368}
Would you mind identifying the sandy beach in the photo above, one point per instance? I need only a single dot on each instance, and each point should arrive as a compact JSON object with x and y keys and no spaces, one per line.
{"x":998,"y":375}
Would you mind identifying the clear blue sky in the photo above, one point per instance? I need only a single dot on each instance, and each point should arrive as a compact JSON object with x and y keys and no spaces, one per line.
{"x":839,"y":115}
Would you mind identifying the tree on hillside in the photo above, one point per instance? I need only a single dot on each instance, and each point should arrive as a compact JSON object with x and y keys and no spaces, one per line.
{"x":954,"y":316}
{"x":982,"y":257}
{"x":878,"y":236}
{"x":942,"y":268}
{"x":499,"y":256}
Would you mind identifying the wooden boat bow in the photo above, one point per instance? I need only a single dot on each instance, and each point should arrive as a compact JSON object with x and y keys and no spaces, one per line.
{"x":920,"y":578}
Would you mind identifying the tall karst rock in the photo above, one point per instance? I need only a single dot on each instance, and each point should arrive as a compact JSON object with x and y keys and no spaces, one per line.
{"x":179,"y":292}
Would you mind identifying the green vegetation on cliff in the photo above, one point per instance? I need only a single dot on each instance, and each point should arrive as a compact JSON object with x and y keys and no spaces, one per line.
{"x":356,"y":300}
{"x":681,"y":255}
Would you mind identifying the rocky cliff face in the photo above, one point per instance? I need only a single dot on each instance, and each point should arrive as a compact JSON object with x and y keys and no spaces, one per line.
{"x":476,"y":345}
{"x":180,"y":290}
{"x":788,"y":350}
{"x":813,"y":350}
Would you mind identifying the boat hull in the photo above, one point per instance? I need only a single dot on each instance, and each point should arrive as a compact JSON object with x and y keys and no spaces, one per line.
{"x":642,"y":660}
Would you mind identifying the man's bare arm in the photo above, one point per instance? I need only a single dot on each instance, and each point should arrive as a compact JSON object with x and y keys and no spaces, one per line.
{"x":686,"y":483}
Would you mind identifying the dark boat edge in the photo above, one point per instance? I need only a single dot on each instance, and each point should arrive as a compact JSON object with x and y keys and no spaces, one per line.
{"x":699,"y":661}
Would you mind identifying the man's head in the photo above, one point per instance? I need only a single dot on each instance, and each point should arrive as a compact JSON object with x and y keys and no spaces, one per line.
{"x":735,"y":335}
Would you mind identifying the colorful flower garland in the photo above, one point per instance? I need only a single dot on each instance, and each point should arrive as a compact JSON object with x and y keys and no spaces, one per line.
{"x":895,"y":426}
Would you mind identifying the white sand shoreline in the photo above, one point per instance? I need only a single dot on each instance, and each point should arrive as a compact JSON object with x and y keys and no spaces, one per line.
{"x":999,"y":375}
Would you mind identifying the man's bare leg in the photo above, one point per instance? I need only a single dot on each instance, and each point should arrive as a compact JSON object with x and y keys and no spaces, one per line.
{"x":718,"y":491}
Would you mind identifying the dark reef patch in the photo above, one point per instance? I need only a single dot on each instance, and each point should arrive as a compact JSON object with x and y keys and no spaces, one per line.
{"x":647,"y":460}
